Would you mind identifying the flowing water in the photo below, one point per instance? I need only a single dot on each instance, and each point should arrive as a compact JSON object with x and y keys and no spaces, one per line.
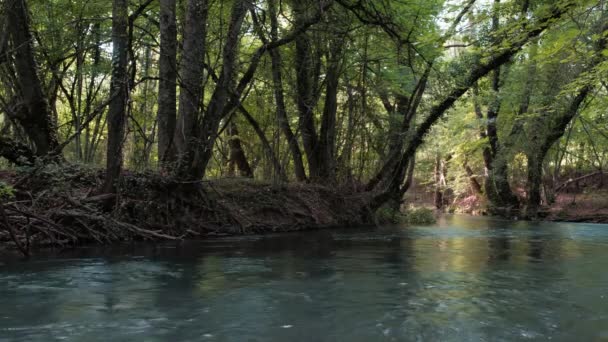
{"x":464,"y":279}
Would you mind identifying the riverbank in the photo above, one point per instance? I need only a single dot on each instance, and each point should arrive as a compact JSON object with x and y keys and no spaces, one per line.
{"x":55,"y":206}
{"x":586,"y":204}
{"x":52,"y":206}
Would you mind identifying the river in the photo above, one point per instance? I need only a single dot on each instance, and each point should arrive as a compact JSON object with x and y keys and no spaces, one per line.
{"x":463,"y":279}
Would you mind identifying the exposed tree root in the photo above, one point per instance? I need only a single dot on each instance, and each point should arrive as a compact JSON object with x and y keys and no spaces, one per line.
{"x":52,"y":207}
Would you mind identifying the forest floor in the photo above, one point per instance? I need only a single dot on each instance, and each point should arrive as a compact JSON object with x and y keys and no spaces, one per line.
{"x":54,"y":206}
{"x":587,"y":204}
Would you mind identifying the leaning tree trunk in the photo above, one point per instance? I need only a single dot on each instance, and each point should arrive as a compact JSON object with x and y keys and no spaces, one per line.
{"x":35,"y":115}
{"x":535,"y":162}
{"x":277,"y":79}
{"x":219,"y":105}
{"x":390,"y":179}
{"x":559,"y":126}
{"x":167,"y":95}
{"x":119,"y":92}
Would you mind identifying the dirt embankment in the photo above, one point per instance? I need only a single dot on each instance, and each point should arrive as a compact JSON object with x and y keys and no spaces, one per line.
{"x":582,"y":201}
{"x":588,"y":206}
{"x":56,"y":206}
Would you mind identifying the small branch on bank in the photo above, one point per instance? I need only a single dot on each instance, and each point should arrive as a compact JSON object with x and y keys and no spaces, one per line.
{"x":7,"y":225}
{"x":578,"y":179}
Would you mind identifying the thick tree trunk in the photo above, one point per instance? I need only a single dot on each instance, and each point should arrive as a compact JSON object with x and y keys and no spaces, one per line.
{"x":218,"y":107}
{"x":35,"y":117}
{"x":281,"y":113}
{"x":119,"y":91}
{"x":305,"y":91}
{"x":497,"y":187}
{"x":16,"y":152}
{"x":187,"y":134}
{"x":326,"y":148}
{"x":167,"y":95}
{"x":534,"y":183}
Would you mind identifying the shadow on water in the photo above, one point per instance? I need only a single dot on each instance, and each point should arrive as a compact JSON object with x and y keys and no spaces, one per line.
{"x":536,"y":245}
{"x":499,"y":245}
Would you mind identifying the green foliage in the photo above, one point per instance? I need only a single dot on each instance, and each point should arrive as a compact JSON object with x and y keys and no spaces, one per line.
{"x":385,"y":215}
{"x":7,"y":192}
{"x":418,"y":216}
{"x":387,"y":46}
{"x":388,"y":214}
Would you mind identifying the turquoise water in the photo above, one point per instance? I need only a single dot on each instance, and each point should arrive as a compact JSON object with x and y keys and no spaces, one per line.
{"x":464,"y":279}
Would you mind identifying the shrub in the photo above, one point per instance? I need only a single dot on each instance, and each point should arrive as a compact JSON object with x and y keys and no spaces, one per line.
{"x":418,"y":216}
{"x":386,"y":215}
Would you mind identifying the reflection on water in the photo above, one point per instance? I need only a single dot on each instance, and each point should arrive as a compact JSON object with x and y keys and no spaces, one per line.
{"x":464,"y":279}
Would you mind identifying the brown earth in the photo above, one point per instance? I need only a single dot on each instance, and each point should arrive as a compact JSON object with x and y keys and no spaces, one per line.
{"x":56,"y":206}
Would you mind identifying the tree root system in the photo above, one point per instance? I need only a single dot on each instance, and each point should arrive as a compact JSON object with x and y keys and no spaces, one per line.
{"x":56,"y":206}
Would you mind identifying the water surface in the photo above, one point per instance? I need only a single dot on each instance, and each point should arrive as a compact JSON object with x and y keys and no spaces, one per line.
{"x":464,"y":279}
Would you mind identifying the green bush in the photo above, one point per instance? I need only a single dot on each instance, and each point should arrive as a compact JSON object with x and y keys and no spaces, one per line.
{"x":387,"y":214}
{"x":418,"y":216}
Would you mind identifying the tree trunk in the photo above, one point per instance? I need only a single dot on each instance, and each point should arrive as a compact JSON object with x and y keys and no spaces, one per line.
{"x":534,"y":183}
{"x":167,"y":94}
{"x":390,"y":179}
{"x":119,"y":92}
{"x":497,"y":187}
{"x":187,"y":134}
{"x":305,"y":91}
{"x":559,"y":125}
{"x":202,"y":151}
{"x":327,"y":141}
{"x":281,"y":113}
{"x":4,"y":37}
{"x":438,"y":197}
{"x":92,"y":91}
{"x":35,"y":117}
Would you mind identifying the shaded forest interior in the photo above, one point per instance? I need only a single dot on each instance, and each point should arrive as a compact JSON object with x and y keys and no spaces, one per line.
{"x":120,"y":119}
